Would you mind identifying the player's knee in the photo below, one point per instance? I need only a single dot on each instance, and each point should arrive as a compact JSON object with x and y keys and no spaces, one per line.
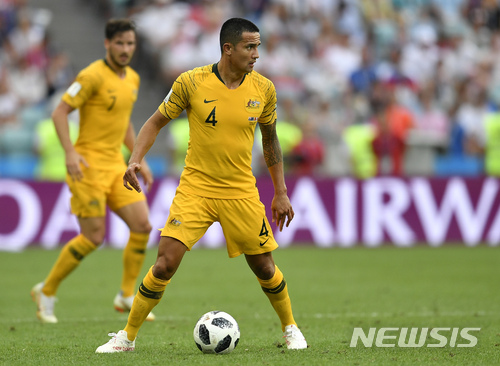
{"x":265,"y":271}
{"x":164,"y":269}
{"x":145,"y":227}
{"x":96,"y":238}
{"x":262,"y":265}
{"x":141,"y":226}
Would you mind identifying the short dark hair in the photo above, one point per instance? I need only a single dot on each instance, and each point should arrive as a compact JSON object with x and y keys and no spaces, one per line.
{"x":233,"y":28}
{"x":114,"y":26}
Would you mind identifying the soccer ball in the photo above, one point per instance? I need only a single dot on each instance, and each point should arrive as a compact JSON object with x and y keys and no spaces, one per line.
{"x":216,"y":332}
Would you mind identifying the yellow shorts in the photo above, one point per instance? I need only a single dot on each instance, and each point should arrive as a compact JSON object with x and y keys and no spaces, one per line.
{"x":243,"y":221}
{"x":99,"y":188}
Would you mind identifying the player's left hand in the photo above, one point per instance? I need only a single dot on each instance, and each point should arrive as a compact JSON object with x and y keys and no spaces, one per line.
{"x":147,"y":175}
{"x":130,"y":177}
{"x":282,"y":210}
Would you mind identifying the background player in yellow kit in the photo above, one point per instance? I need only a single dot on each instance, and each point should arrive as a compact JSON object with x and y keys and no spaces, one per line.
{"x":105,"y":93}
{"x":224,"y":102}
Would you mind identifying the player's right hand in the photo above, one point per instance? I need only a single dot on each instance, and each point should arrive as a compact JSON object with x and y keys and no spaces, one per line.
{"x":73,"y":167}
{"x":147,"y":175}
{"x":130,"y":177}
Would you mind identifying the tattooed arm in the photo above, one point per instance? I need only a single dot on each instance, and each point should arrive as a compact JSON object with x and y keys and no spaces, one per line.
{"x":281,"y":206}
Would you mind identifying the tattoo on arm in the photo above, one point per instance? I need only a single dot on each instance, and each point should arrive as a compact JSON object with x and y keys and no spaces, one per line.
{"x":271,"y":144}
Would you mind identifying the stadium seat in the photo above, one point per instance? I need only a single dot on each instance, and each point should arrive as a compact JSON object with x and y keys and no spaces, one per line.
{"x":19,"y":166}
{"x":462,"y":165}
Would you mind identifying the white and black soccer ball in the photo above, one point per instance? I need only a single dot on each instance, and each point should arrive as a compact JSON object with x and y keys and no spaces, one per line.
{"x":216,"y":332}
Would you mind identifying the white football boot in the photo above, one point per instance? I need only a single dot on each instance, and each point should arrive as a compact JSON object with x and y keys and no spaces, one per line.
{"x":118,"y":343}
{"x":124,"y":304}
{"x":45,"y":304}
{"x":294,"y":338}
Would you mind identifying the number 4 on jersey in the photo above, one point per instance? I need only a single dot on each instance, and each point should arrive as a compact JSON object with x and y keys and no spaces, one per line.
{"x":211,"y":118}
{"x":263,"y":230}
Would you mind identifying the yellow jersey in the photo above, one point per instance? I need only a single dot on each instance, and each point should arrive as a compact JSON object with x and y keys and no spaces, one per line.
{"x":105,"y":102}
{"x":221,"y":129}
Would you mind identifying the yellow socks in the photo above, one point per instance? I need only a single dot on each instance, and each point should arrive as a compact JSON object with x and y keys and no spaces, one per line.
{"x":133,"y":258}
{"x":69,"y":258}
{"x":277,"y":292}
{"x":149,"y":295}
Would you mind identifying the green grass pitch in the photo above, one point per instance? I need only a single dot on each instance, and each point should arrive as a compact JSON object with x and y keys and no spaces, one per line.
{"x":333,"y":291}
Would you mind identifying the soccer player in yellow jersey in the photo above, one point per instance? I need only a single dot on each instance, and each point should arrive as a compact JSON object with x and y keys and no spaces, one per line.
{"x":224,"y":102}
{"x":104,"y":93}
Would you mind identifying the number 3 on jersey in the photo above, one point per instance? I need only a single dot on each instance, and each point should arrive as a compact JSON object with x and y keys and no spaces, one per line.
{"x":211,"y":118}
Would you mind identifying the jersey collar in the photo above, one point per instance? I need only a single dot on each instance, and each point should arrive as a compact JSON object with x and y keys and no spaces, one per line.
{"x":216,"y":72}
{"x":108,"y":65}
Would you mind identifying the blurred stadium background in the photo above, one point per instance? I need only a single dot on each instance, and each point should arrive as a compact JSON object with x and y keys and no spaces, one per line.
{"x":388,"y":112}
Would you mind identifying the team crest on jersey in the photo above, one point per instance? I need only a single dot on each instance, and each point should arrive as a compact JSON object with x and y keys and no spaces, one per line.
{"x":174,"y":222}
{"x":253,"y":104}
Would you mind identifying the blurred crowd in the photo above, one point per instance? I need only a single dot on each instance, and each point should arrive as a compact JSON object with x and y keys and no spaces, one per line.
{"x":33,"y":73}
{"x":365,"y":87}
